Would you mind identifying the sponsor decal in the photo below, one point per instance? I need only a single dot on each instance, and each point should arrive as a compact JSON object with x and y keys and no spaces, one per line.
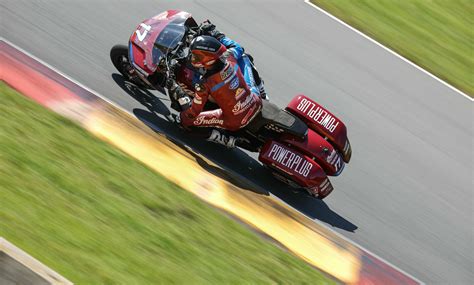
{"x":226,"y":72}
{"x":242,"y":105}
{"x":234,"y":83}
{"x":246,"y":118}
{"x":239,"y":92}
{"x":206,"y":48}
{"x":318,"y":114}
{"x":202,"y":120}
{"x":290,"y":160}
{"x":334,"y":159}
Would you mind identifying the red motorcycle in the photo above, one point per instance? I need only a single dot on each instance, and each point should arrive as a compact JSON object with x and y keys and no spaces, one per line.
{"x":301,"y":145}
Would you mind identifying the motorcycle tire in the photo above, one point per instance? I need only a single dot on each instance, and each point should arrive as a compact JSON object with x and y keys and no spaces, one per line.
{"x":119,"y":58}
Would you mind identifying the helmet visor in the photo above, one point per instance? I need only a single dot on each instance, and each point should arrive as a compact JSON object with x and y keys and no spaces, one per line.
{"x":197,"y":60}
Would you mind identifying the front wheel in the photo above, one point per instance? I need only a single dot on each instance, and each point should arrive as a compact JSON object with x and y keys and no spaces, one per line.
{"x":119,"y":58}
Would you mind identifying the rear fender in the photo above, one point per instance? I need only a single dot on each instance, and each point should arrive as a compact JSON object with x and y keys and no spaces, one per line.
{"x":323,"y":122}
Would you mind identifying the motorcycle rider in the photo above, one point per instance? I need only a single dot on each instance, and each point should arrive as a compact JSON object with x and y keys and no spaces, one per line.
{"x":224,"y":81}
{"x":245,"y":61}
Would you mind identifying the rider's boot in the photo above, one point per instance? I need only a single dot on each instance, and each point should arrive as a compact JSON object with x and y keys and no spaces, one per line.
{"x":221,"y":138}
{"x":230,"y":141}
{"x":259,"y":82}
{"x":261,"y":89}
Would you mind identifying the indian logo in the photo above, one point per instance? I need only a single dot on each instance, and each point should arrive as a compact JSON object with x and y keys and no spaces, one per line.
{"x":201,"y":120}
{"x":242,"y":105}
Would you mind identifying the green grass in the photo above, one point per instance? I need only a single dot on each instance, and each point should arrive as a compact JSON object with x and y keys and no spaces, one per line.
{"x":435,"y":34}
{"x":99,"y":217}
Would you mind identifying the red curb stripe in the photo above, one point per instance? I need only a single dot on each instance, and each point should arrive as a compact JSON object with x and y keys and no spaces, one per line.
{"x":32,"y":83}
{"x":375,"y":271}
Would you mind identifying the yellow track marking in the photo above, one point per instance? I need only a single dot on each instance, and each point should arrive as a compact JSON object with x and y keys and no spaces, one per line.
{"x":309,"y":241}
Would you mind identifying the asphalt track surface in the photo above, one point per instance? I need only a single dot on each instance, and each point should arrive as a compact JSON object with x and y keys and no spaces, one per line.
{"x":13,"y":272}
{"x":407,"y":193}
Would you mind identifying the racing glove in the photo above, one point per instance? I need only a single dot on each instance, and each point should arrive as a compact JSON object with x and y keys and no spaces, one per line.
{"x":179,"y":99}
{"x":209,"y":29}
{"x":216,"y":34}
{"x":207,"y":26}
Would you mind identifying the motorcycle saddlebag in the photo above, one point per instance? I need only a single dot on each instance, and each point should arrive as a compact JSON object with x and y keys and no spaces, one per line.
{"x":323,"y":122}
{"x":297,"y":167}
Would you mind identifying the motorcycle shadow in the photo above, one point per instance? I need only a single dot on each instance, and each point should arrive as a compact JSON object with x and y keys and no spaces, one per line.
{"x":236,"y":166}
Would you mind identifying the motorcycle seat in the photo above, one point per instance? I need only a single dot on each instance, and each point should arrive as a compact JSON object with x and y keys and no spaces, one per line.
{"x":276,"y":120}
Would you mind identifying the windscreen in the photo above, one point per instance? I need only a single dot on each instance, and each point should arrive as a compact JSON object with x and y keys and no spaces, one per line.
{"x":167,"y":40}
